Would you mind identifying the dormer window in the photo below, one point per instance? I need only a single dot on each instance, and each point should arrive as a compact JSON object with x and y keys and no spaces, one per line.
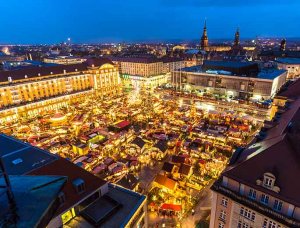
{"x":79,"y":185}
{"x":269,"y":180}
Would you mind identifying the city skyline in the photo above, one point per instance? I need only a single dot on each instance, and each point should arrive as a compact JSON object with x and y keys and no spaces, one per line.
{"x":35,"y":22}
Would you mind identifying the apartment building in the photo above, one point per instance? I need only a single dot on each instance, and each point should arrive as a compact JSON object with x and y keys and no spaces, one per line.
{"x":148,"y":71}
{"x":31,"y":90}
{"x":260,"y":187}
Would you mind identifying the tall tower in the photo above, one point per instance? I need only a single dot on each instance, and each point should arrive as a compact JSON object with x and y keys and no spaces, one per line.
{"x":283,"y":45}
{"x":237,"y":38}
{"x":204,"y":38}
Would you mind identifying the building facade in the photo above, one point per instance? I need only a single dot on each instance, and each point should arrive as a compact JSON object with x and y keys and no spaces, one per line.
{"x":29,"y":91}
{"x":148,"y":71}
{"x":292,"y":65}
{"x":258,"y":188}
{"x":263,"y":84}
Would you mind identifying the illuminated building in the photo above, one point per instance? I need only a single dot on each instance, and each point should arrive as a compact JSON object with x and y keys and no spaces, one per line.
{"x":30,"y":91}
{"x":260,"y":187}
{"x":240,"y":79}
{"x":65,"y":60}
{"x":292,"y":65}
{"x":148,"y":71}
{"x":75,"y":198}
{"x":204,"y":38}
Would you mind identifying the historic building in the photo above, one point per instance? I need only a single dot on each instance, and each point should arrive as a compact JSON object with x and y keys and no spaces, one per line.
{"x":292,"y":65}
{"x":32,"y":90}
{"x":148,"y":71}
{"x":239,"y":79}
{"x":259,"y":188}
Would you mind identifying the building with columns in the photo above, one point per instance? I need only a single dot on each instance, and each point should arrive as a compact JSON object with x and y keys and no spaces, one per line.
{"x":32,"y":90}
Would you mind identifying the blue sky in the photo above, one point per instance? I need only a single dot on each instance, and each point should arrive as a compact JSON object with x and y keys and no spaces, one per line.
{"x":51,"y":21}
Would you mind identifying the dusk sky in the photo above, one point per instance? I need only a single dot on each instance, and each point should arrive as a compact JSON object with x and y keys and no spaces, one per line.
{"x":52,"y":21}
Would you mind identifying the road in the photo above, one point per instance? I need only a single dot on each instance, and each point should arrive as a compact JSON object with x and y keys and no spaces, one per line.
{"x":202,"y":209}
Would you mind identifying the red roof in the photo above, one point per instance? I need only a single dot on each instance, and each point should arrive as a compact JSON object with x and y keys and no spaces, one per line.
{"x":123,"y":124}
{"x":171,"y":207}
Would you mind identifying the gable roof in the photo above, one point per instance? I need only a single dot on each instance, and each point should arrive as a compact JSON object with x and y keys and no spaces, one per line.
{"x":165,"y":181}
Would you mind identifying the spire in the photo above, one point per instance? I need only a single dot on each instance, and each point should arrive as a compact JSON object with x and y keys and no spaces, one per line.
{"x":283,"y":45}
{"x":237,"y":37}
{"x":204,"y":38}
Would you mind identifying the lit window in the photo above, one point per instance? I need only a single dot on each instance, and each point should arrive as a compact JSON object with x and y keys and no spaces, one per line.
{"x":264,"y":199}
{"x":222,"y":215}
{"x":221,"y":225}
{"x":224,"y":202}
{"x":247,"y":213}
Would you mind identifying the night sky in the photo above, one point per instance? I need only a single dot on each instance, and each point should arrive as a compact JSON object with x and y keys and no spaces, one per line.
{"x":52,"y":21}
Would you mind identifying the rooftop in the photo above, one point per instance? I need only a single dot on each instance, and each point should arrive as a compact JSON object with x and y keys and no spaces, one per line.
{"x":38,"y":71}
{"x":21,"y":158}
{"x":120,"y":205}
{"x":35,"y":198}
{"x":232,"y":69}
{"x":278,"y":155}
{"x":291,"y":61}
{"x":64,"y":167}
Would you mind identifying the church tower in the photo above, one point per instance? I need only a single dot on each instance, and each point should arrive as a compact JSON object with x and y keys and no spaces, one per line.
{"x":283,"y":45}
{"x":204,"y":39}
{"x":237,"y":38}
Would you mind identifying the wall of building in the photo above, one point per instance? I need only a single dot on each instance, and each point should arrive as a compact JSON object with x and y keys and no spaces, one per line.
{"x":224,"y":84}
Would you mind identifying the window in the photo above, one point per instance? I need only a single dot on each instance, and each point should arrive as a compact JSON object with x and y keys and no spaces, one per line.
{"x":242,"y":225}
{"x":252,"y":194}
{"x":277,"y":205}
{"x":270,"y":224}
{"x":264,"y":199}
{"x":247,"y":213}
{"x":224,"y":202}
{"x":222,"y":215}
{"x":221,"y":225}
{"x":268,"y":182}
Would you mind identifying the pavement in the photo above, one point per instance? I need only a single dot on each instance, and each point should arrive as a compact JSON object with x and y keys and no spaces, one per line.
{"x":202,"y":209}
